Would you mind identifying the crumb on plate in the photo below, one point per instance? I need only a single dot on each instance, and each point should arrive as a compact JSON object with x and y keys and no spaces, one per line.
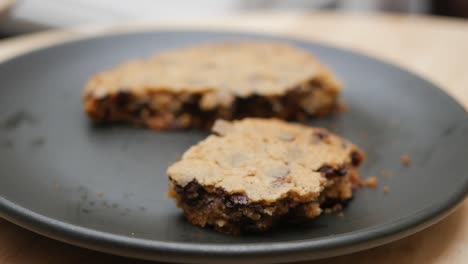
{"x":386,"y":189}
{"x":405,"y":160}
{"x":371,"y":182}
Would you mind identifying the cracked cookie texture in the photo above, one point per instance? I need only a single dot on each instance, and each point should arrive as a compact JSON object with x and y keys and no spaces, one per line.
{"x":191,"y":87}
{"x":253,"y":174}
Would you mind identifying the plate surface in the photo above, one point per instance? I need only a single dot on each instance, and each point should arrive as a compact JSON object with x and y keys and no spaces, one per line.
{"x":105,"y":187}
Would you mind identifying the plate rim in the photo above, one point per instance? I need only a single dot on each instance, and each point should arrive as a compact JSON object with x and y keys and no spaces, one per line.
{"x":189,"y":252}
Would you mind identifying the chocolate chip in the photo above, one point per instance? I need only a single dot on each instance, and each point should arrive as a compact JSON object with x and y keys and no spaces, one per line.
{"x":237,"y":200}
{"x":207,"y":201}
{"x":330,"y":202}
{"x":321,"y":134}
{"x":316,"y":84}
{"x":193,"y":194}
{"x":179,"y":189}
{"x":192,"y":202}
{"x":341,"y":171}
{"x":276,"y":106}
{"x":122,"y":98}
{"x":255,"y":206}
{"x":356,"y":158}
{"x":191,"y":190}
{"x":229,"y":204}
{"x":220,"y":192}
{"x":328,"y":171}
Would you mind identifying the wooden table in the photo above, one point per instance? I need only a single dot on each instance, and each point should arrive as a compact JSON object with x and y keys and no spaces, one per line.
{"x":435,"y":48}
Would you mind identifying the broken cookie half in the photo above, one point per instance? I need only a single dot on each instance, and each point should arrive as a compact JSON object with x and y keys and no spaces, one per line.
{"x":255,"y":173}
{"x":192,"y":87}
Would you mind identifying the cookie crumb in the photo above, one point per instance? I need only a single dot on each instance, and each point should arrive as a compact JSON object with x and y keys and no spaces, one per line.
{"x":171,"y":193}
{"x":405,"y":160}
{"x":386,"y":189}
{"x":371,"y":182}
{"x":340,"y":215}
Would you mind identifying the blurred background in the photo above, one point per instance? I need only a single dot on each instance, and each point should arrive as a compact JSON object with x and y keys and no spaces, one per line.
{"x":27,"y":16}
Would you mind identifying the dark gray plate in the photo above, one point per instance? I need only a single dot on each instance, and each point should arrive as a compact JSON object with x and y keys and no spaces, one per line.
{"x":105,"y":188}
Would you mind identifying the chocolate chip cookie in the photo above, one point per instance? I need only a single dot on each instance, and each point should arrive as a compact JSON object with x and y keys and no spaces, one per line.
{"x":191,"y":87}
{"x":254,"y":173}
